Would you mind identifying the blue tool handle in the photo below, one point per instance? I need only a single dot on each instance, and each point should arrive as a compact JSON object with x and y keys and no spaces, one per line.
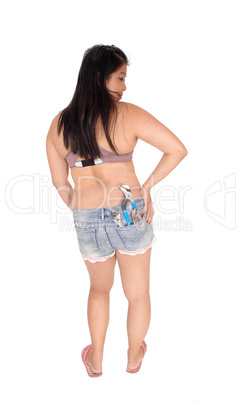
{"x":134,"y":205}
{"x":127,"y":217}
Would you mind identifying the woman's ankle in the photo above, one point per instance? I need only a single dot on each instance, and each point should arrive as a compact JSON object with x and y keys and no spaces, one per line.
{"x":95,"y":360}
{"x":135,"y":353}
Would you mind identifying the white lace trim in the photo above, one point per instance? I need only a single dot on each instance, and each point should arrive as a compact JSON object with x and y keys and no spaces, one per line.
{"x":122,"y":252}
{"x":139,"y":252}
{"x":99,"y":259}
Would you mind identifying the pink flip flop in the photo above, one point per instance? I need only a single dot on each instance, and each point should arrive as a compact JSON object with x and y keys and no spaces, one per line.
{"x":89,"y":370}
{"x":144,"y":347}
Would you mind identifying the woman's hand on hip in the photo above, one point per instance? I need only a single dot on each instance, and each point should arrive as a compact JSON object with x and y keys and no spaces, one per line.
{"x":148,"y":206}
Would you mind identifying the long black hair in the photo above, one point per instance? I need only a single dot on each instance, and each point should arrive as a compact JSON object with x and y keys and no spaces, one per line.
{"x":91,"y":99}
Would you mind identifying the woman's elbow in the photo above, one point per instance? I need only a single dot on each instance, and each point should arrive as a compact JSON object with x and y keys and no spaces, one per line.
{"x":179,"y":152}
{"x":184,"y":151}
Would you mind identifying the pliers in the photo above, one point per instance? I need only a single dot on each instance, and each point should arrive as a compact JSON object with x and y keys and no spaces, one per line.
{"x":129,"y":197}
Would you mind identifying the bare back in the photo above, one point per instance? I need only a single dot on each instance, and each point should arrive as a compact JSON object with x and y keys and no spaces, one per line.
{"x":98,"y":186}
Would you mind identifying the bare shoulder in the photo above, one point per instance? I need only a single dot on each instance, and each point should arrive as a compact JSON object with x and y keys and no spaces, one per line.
{"x":132,"y":114}
{"x":137,"y":116}
{"x":149,"y":129}
{"x":53,"y":130}
{"x":140,"y":120}
{"x":57,"y":138}
{"x":134,"y":110}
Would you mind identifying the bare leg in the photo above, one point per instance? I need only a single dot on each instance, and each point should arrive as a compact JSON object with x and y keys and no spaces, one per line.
{"x":135,"y":276}
{"x":101,"y":281}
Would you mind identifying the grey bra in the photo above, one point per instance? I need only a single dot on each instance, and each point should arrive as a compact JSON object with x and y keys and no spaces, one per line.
{"x":105,"y":157}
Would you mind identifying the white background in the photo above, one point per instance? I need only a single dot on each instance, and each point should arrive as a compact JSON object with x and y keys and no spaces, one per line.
{"x":185,"y":70}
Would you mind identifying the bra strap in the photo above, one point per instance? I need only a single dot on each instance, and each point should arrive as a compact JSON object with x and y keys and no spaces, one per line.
{"x":88,"y":162}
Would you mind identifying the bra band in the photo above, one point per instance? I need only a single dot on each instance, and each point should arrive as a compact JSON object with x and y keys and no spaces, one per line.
{"x":105,"y":157}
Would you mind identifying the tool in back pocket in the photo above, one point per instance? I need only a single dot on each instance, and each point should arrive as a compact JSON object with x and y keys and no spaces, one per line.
{"x":136,"y":217}
{"x":115,"y":216}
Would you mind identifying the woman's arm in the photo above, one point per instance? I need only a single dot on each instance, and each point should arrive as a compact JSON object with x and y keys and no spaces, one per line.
{"x":59,"y":168}
{"x":147,"y":128}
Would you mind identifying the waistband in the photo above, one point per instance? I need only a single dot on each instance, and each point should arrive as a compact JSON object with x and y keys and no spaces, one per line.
{"x":102,"y":213}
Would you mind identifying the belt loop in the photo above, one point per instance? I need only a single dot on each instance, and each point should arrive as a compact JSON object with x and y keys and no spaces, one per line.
{"x":102,"y":213}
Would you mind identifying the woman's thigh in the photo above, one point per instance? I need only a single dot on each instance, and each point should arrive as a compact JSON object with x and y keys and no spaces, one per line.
{"x":135,"y":274}
{"x":101,"y":274}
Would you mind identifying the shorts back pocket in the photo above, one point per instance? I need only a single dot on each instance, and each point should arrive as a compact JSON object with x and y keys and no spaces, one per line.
{"x":86,"y":238}
{"x":136,"y":236}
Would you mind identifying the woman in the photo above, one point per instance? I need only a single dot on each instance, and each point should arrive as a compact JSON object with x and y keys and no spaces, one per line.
{"x":95,"y":136}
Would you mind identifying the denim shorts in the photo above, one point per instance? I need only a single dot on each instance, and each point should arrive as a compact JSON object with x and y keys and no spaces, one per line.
{"x":99,"y":236}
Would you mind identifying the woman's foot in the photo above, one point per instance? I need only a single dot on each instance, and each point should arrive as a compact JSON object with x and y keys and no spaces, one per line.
{"x":93,"y":368}
{"x":134,"y":362}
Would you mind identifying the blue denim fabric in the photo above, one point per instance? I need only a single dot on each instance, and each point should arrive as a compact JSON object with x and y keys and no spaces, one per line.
{"x":99,"y":236}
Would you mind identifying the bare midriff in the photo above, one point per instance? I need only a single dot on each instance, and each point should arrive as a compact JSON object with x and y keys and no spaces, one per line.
{"x":98,"y":186}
